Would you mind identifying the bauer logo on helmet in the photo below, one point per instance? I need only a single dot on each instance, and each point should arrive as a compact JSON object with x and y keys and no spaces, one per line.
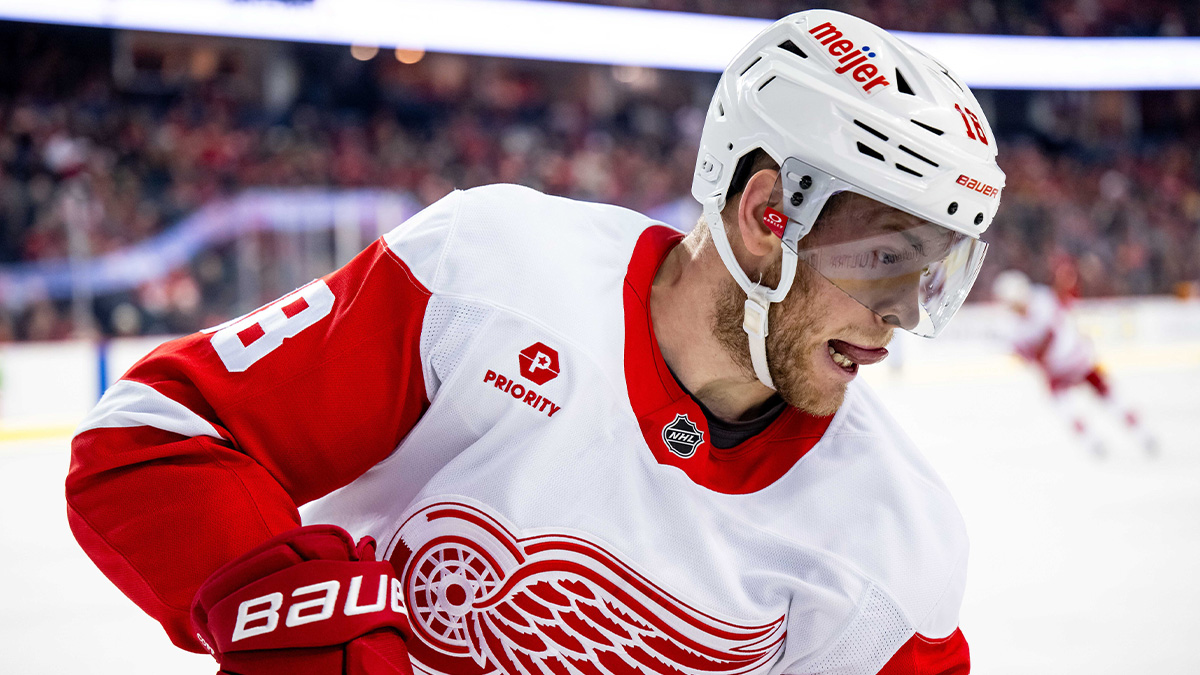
{"x":978,"y":186}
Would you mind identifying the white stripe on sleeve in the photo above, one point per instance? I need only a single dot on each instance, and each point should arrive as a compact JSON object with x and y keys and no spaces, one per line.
{"x":133,"y":404}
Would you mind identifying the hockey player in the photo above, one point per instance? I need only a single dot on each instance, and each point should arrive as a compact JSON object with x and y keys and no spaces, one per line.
{"x":576,"y":441}
{"x":1043,"y":335}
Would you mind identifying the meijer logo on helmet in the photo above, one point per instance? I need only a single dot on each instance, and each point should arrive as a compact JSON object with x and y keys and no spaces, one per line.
{"x":850,"y":57}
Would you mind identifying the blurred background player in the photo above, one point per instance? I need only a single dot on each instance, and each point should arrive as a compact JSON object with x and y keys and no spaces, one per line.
{"x":1043,"y":334}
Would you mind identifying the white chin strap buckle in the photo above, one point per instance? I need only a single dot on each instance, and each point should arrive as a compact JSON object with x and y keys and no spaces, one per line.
{"x":756,"y":327}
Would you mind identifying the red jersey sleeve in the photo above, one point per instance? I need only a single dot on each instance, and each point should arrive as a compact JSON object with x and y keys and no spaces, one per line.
{"x":925,"y":656}
{"x":206,"y":447}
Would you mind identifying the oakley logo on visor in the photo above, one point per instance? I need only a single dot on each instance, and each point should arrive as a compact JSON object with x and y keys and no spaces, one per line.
{"x":776,"y":221}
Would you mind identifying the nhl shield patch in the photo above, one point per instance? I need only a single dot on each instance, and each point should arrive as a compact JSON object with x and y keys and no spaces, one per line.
{"x":682,"y":437}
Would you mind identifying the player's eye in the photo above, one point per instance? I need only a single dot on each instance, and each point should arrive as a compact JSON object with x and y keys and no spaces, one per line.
{"x":893,"y":257}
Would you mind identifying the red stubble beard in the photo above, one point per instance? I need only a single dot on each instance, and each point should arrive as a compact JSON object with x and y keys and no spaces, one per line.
{"x":813,"y":312}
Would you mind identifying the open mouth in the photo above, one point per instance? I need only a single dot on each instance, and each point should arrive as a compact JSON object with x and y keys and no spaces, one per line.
{"x":842,"y":360}
{"x":849,"y":357}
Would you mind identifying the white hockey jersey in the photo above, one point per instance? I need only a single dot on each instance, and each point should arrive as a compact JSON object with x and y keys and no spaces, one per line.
{"x":481,"y":392}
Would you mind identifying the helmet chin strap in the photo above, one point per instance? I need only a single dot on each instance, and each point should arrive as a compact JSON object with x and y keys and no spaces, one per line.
{"x":758,"y":297}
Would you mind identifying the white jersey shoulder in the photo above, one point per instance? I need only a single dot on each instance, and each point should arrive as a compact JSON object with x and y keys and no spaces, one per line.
{"x":518,"y":248}
{"x":923,"y":563}
{"x":870,"y":506}
{"x":513,"y":249}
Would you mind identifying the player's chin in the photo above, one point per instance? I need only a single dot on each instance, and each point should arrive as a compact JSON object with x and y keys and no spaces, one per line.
{"x":818,"y":402}
{"x":812,"y":390}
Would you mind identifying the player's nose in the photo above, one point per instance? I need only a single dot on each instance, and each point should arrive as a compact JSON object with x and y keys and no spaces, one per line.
{"x":899,"y":305}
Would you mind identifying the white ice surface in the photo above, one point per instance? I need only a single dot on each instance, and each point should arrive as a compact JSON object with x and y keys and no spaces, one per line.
{"x":1077,"y":565}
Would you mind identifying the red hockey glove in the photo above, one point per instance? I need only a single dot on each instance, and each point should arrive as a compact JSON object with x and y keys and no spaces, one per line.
{"x":308,"y":602}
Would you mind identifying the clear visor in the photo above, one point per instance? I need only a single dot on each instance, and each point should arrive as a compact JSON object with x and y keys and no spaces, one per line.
{"x":911,"y":272}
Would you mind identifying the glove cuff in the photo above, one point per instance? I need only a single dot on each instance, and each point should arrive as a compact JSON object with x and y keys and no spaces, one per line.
{"x":278,"y":596}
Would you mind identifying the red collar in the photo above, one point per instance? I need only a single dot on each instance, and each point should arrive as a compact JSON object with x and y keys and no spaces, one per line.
{"x":672,"y":423}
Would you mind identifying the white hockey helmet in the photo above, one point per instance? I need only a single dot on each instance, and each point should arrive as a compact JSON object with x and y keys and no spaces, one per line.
{"x":841,"y":105}
{"x":1012,"y":288}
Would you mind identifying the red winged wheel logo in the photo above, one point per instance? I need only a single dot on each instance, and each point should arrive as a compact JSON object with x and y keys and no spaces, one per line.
{"x":482,"y":601}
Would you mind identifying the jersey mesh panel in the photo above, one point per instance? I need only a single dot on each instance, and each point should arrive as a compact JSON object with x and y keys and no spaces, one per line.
{"x":876,"y":633}
{"x":449,"y":324}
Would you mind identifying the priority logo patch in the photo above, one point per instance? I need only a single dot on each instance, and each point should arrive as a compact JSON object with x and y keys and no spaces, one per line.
{"x":539,"y":363}
{"x":527,"y":395}
{"x":682,"y":437}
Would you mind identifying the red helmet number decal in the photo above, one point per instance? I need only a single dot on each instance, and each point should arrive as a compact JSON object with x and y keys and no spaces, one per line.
{"x":976,"y":134}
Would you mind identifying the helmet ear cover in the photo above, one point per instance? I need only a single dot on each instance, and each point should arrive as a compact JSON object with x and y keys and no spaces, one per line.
{"x":745,"y":169}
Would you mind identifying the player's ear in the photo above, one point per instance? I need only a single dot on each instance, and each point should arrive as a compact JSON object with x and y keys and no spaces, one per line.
{"x":758,"y":239}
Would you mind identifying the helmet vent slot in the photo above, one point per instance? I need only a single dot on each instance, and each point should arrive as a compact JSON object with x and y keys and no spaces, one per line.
{"x":764,"y":84}
{"x":870,"y":152}
{"x":908,"y":170}
{"x":926,"y":127}
{"x":950,"y":77}
{"x":752,"y":64}
{"x":788,"y":45}
{"x":902,"y":84}
{"x":873,"y":132}
{"x":720,"y":110}
{"x":919,"y":156}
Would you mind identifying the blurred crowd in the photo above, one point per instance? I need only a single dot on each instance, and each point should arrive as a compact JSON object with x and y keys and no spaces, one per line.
{"x":1091,"y":18}
{"x":105,"y":142}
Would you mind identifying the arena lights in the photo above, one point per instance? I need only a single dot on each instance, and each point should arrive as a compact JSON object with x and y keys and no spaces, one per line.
{"x":409,"y":56}
{"x":560,"y":31}
{"x":363,"y":52}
